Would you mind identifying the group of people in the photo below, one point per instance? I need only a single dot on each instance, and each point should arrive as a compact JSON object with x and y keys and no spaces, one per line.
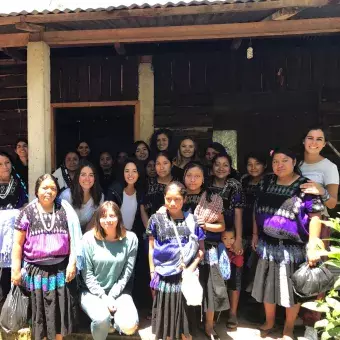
{"x":117,"y":236}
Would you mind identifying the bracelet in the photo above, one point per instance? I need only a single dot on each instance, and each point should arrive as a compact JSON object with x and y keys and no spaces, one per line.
{"x":326,"y":196}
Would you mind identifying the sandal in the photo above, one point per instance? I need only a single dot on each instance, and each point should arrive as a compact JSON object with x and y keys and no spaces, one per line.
{"x":232,"y":322}
{"x":265,"y":332}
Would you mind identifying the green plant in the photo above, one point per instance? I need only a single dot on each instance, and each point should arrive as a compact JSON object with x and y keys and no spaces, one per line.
{"x":330,"y":305}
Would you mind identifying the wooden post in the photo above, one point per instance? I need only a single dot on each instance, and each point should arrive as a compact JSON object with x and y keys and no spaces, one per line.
{"x":146,"y":97}
{"x":38,"y":111}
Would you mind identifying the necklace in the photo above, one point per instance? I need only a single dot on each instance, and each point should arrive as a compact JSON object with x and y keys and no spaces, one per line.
{"x":9,"y":187}
{"x":42,"y":218}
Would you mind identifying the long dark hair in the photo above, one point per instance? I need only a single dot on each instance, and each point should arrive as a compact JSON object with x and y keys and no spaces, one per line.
{"x":288,"y":152}
{"x":198,"y":165}
{"x":233,"y":172}
{"x":178,"y":159}
{"x":135,"y":146}
{"x":41,"y":179}
{"x":153,"y":140}
{"x":5,"y":154}
{"x":102,"y":211}
{"x":77,"y":191}
{"x":139,"y":184}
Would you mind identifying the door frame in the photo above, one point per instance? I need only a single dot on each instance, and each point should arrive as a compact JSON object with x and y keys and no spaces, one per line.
{"x":55,"y":106}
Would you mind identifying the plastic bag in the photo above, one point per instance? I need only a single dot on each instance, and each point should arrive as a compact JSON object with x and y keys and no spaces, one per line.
{"x":311,"y":281}
{"x":14,"y":314}
{"x":191,"y":288}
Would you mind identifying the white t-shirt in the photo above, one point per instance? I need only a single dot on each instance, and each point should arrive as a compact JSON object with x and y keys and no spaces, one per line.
{"x":324,"y":172}
{"x":128,"y":209}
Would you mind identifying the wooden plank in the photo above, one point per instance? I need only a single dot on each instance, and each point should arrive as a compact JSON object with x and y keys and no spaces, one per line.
{"x":13,"y":93}
{"x":13,"y":69}
{"x":94,"y":104}
{"x":84,"y":80}
{"x":180,"y":74}
{"x":55,"y":80}
{"x":130,"y":78}
{"x":73,"y":79}
{"x":162,"y":65}
{"x":13,"y":81}
{"x":111,"y":78}
{"x":195,"y":32}
{"x":159,"y":12}
{"x":198,"y":69}
{"x":95,"y":78}
{"x":13,"y":104}
{"x":14,"y":40}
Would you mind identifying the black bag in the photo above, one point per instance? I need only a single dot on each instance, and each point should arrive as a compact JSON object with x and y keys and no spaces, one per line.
{"x":311,"y":281}
{"x":14,"y":314}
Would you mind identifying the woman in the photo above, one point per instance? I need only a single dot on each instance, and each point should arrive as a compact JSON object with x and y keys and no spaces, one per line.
{"x":84,"y":150}
{"x":154,"y":196}
{"x":161,"y":141}
{"x":13,"y":196}
{"x":85,"y":195}
{"x":141,"y":151}
{"x":212,"y":150}
{"x":285,"y":220}
{"x":215,"y":297}
{"x":21,"y":162}
{"x":65,"y":174}
{"x":323,"y":175}
{"x":106,"y":173}
{"x":231,"y":192}
{"x":171,"y":317}
{"x":110,"y":255}
{"x":47,"y":238}
{"x":150,"y":169}
{"x":187,"y":152}
{"x":127,"y":194}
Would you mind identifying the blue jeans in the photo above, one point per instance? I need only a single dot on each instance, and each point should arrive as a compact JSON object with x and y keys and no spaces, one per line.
{"x":125,"y":318}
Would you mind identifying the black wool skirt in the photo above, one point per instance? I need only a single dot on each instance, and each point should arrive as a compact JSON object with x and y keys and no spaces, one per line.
{"x":54,"y":302}
{"x":171,"y":316}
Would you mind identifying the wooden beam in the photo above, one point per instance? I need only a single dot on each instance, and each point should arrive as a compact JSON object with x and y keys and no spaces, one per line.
{"x":14,"y":53}
{"x":13,"y":93}
{"x":31,"y":28}
{"x":284,"y":14}
{"x":13,"y":40}
{"x":161,"y":12}
{"x":194,"y":32}
{"x":13,"y":81}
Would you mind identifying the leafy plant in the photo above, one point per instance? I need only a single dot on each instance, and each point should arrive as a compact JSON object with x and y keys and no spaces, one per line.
{"x":330,"y":305}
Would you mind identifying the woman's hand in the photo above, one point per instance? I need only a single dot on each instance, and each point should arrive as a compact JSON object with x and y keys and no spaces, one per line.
{"x":16,"y":277}
{"x":314,"y":251}
{"x":71,"y":272}
{"x":254,"y":241}
{"x":237,"y":246}
{"x":201,"y":222}
{"x":312,"y":188}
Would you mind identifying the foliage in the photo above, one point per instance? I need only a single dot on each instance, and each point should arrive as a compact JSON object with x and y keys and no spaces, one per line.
{"x":330,"y":305}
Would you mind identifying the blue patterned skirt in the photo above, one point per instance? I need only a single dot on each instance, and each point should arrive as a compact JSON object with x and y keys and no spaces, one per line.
{"x":53,"y":301}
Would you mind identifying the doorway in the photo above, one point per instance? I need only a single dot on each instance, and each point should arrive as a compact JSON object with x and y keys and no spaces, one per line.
{"x":109,"y":128}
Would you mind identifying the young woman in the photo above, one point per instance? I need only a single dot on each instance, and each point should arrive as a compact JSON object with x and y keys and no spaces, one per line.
{"x":105,"y":173}
{"x":150,"y":169}
{"x":65,"y":174}
{"x":85,"y":195}
{"x":187,"y":152}
{"x":212,"y":150}
{"x":21,"y":162}
{"x":141,"y":151}
{"x":285,"y":221}
{"x":215,"y":297}
{"x":127,"y":194}
{"x":161,"y":141}
{"x":231,"y":192}
{"x":47,"y":239}
{"x":110,"y":255}
{"x":154,"y":197}
{"x":13,"y":196}
{"x":323,"y":175}
{"x":171,"y":318}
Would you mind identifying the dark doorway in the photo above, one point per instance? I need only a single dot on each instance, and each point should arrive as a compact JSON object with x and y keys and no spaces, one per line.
{"x":104,"y":128}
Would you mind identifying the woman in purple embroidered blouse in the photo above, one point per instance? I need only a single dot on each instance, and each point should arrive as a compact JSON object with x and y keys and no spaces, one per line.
{"x":47,"y":238}
{"x":285,"y":220}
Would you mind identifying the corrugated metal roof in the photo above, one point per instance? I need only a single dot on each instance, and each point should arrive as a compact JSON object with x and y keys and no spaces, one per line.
{"x":75,"y":6}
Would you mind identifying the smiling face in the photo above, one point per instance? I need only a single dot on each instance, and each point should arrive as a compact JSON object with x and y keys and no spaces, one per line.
{"x":105,"y":161}
{"x":314,"y":142}
{"x":5,"y":168}
{"x":283,"y":165}
{"x":83,"y":149}
{"x":142,"y":152}
{"x":72,"y":161}
{"x":22,"y":149}
{"x":193,"y":179}
{"x":187,"y":148}
{"x":131,"y":173}
{"x":86,"y":178}
{"x":173,"y":200}
{"x":221,"y":168}
{"x":163,"y":166}
{"x":151,"y":169}
{"x":255,"y":168}
{"x":162,"y":142}
{"x":108,"y":221}
{"x":47,"y":192}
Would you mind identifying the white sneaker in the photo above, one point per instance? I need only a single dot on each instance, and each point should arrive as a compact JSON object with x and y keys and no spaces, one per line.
{"x":311,"y":333}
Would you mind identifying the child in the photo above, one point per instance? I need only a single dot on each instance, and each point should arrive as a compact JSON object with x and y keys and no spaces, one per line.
{"x":234,"y":282}
{"x":170,"y":315}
